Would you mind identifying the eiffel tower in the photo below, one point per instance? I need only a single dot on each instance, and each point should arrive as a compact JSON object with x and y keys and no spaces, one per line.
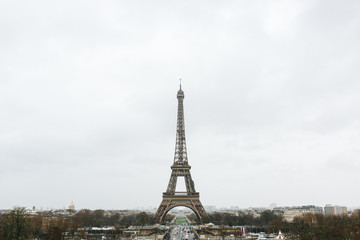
{"x":180,"y":168}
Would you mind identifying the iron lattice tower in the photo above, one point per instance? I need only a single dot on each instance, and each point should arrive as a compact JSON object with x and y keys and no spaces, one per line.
{"x":180,"y":168}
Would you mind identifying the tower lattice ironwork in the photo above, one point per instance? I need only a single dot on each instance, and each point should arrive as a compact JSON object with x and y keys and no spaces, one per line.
{"x":180,"y":168}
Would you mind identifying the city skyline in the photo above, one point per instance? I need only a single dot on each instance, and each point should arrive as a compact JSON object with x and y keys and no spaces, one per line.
{"x":88,"y":102}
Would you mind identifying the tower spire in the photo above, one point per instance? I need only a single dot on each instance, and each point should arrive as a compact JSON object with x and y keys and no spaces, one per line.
{"x":180,"y":157}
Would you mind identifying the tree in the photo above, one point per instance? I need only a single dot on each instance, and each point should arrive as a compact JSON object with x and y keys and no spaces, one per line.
{"x":55,"y":228}
{"x":318,"y":226}
{"x":73,"y":225}
{"x":84,"y":218}
{"x":127,"y":220}
{"x":112,"y":220}
{"x":16,"y":224}
{"x":355,"y":222}
{"x":169,"y":217}
{"x":142,"y":218}
{"x":275,"y":225}
{"x":268,"y":216}
{"x":98,"y":218}
{"x":36,"y":226}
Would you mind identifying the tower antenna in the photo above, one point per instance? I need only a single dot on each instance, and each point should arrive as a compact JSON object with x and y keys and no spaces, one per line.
{"x":180,"y":83}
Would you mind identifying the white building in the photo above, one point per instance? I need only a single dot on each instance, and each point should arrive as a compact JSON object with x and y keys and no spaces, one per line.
{"x":335,"y":210}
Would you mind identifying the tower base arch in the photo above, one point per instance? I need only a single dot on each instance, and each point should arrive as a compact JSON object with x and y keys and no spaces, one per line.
{"x":171,"y":201}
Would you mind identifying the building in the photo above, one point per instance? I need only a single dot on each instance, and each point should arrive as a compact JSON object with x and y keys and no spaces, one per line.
{"x":72,"y":207}
{"x":335,"y":210}
{"x":290,"y":213}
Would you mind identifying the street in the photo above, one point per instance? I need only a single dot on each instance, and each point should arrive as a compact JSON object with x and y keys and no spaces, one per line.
{"x":182,"y":231}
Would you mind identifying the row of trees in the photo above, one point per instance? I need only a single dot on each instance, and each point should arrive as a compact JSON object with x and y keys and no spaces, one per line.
{"x":266,"y":219}
{"x":18,"y":225}
{"x":309,"y":226}
{"x":320,"y":227}
{"x":98,"y":218}
{"x":242,"y":219}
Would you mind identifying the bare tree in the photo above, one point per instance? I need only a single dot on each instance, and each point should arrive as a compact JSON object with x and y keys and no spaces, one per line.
{"x":16,"y":224}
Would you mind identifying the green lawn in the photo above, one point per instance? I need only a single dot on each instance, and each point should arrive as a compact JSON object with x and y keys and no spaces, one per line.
{"x":180,"y":220}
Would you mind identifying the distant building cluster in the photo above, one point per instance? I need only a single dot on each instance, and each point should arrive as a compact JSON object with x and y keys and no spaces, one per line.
{"x":70,"y":211}
{"x":289,"y":213}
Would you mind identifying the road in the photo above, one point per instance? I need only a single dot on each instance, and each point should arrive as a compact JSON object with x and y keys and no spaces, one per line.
{"x":182,"y":231}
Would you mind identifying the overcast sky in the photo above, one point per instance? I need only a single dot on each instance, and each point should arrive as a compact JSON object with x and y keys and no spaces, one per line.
{"x":88,"y":101}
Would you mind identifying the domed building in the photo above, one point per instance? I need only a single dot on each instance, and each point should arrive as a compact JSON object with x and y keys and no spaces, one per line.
{"x":71,"y":207}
